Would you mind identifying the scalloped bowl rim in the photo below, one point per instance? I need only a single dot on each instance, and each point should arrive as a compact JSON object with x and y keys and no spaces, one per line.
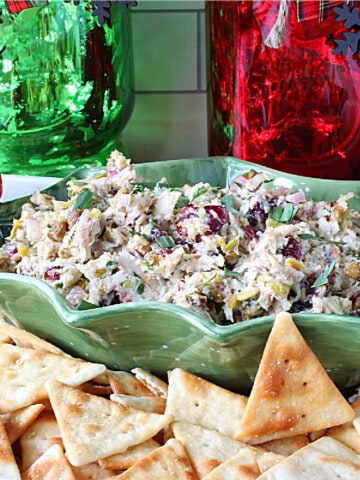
{"x":222,"y":333}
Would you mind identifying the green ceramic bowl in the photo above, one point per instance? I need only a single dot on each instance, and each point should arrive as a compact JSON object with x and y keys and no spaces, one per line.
{"x":160,"y":336}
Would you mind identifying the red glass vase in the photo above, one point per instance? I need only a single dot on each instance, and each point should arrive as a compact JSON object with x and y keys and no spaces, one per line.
{"x":284,"y":80}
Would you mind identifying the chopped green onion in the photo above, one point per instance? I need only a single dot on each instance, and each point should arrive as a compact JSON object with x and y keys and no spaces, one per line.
{"x":111,"y":263}
{"x":231,"y":273}
{"x":200,"y":191}
{"x":199,"y":285}
{"x":283,"y":215}
{"x":141,"y":286}
{"x":323,"y":278}
{"x":165,"y":241}
{"x":308,"y":236}
{"x":83,"y":200}
{"x":182,"y":202}
{"x":141,"y":186}
{"x":84,"y":305}
{"x":228,"y":202}
{"x":151,"y":222}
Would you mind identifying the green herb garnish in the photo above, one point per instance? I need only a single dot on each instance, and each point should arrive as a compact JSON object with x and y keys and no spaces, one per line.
{"x":323,"y":278}
{"x":308,"y":236}
{"x":283,"y":215}
{"x":141,"y":186}
{"x":231,"y":273}
{"x":228,"y":202}
{"x":165,"y":241}
{"x":84,"y":305}
{"x":141,"y":285}
{"x":182,"y":202}
{"x":111,"y":264}
{"x":199,"y":191}
{"x":200,"y":285}
{"x":83,"y":200}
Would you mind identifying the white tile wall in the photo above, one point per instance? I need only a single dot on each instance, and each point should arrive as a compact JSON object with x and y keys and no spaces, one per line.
{"x":169,"y":116}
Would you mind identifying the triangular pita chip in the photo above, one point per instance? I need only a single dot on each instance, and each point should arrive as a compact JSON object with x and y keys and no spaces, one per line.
{"x":93,"y":471}
{"x":196,"y":400}
{"x":50,"y":466}
{"x":324,"y":459}
{"x":157,"y":386}
{"x":127,"y":383}
{"x":122,"y":461}
{"x":164,"y":463}
{"x":292,"y":393}
{"x":94,"y":427}
{"x":4,"y":336}
{"x":286,"y":446}
{"x":148,"y":404}
{"x":42,"y":434}
{"x":248,"y":464}
{"x":17,"y":421}
{"x":8,"y":466}
{"x":348,"y":433}
{"x":206,"y":448}
{"x":25,"y":339}
{"x":24,"y":372}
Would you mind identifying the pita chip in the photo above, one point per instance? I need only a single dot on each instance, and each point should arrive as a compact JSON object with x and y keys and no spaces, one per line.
{"x":122,"y":461}
{"x":4,"y":336}
{"x":92,"y":471}
{"x":17,"y":421}
{"x":8,"y":466}
{"x":148,"y":404}
{"x":157,"y":386}
{"x":94,"y":427}
{"x":24,"y":372}
{"x":126,"y":383}
{"x":25,"y":339}
{"x":51,"y":465}
{"x":286,"y":446}
{"x":248,"y":464}
{"x":168,"y":461}
{"x":292,"y":394}
{"x":196,"y":400}
{"x":324,"y":459}
{"x":42,"y":434}
{"x":206,"y":448}
{"x":348,"y":433}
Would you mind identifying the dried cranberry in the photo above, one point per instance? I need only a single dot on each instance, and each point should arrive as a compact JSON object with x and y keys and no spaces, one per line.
{"x":257,"y":217}
{"x":52,"y":274}
{"x":216,"y":217}
{"x":356,"y":304}
{"x":114,"y":298}
{"x":190,"y":211}
{"x":300,"y":306}
{"x":11,"y":249}
{"x":249,"y":232}
{"x":166,"y":251}
{"x":110,"y":299}
{"x":307,"y":283}
{"x":292,"y":248}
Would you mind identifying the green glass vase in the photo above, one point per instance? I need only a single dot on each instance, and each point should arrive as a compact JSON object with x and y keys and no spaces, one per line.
{"x":66,"y":84}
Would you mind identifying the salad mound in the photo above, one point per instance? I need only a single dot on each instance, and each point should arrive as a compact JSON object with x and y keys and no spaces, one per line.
{"x":230,"y":254}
